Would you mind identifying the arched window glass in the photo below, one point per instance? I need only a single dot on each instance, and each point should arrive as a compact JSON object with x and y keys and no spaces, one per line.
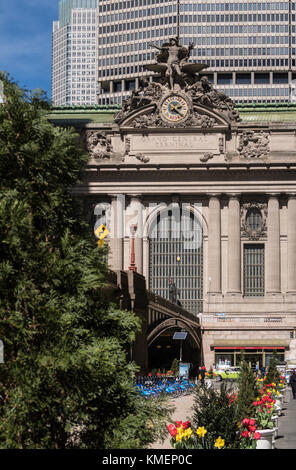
{"x":176,"y":258}
{"x":254,"y":218}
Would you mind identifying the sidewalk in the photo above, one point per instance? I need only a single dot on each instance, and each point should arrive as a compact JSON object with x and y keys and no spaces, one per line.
{"x":183,"y":412}
{"x":287,"y":424}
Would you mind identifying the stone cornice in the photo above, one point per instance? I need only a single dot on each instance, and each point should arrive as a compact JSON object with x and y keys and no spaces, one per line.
{"x":227,"y":166}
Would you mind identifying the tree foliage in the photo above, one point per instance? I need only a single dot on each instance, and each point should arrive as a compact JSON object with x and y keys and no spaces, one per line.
{"x":273,"y":375}
{"x":247,"y":390}
{"x":66,"y":380}
{"x":214,"y":411}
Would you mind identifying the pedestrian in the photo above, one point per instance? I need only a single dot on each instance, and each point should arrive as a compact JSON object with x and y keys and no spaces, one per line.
{"x":292,"y":382}
{"x":202,"y":375}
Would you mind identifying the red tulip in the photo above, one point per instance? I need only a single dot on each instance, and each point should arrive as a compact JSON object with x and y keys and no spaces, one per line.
{"x":186,"y":424}
{"x":172,"y":430}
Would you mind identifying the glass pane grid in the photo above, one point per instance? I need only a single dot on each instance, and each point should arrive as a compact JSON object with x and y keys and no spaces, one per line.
{"x":176,"y":252}
{"x":254,"y":270}
{"x":254,"y":219}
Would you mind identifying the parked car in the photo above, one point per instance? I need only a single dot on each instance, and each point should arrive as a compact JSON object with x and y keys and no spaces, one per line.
{"x":230,"y":373}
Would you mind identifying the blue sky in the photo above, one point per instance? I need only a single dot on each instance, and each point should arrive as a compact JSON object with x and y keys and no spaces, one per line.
{"x":25,"y":41}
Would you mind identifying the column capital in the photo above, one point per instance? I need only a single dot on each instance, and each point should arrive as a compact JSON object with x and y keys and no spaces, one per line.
{"x":234,"y":195}
{"x":273,"y":195}
{"x":291,"y":195}
{"x":134,"y":195}
{"x":214,"y":195}
{"x":115,"y":195}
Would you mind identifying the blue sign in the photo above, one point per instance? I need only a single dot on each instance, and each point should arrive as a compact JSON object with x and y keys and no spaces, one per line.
{"x":184,"y":370}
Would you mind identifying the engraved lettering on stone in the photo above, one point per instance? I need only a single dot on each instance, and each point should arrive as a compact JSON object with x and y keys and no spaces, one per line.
{"x":196,"y":143}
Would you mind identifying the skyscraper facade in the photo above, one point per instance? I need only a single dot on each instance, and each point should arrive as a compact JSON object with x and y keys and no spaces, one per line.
{"x":74,"y":53}
{"x":248,"y":45}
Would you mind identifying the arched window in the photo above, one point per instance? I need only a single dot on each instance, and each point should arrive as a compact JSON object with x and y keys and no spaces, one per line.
{"x":176,"y":258}
{"x":254,"y":218}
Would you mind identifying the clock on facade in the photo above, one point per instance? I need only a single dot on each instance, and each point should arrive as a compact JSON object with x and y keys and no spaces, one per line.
{"x":174,"y":108}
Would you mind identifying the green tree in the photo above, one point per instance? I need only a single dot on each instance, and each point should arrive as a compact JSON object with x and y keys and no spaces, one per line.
{"x":247,"y":390}
{"x":215,"y":411}
{"x":66,"y":380}
{"x":273,"y":374}
{"x":175,"y":366}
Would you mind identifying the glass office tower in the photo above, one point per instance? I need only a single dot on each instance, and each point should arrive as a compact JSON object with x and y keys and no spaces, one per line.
{"x":74,"y":53}
{"x":248,"y":45}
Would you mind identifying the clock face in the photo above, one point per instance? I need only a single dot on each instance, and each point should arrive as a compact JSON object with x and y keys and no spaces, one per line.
{"x":174,"y":109}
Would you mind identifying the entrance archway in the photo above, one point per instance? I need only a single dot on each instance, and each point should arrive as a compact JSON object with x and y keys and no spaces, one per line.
{"x":163,"y":349}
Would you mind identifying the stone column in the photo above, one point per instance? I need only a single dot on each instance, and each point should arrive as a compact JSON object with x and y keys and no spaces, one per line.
{"x":135,"y":217}
{"x":291,"y":281}
{"x":117,"y":231}
{"x":234,"y":245}
{"x":273,"y":265}
{"x":214,"y":244}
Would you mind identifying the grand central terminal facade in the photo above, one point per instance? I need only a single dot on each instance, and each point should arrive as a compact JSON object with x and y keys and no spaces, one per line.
{"x":199,"y":195}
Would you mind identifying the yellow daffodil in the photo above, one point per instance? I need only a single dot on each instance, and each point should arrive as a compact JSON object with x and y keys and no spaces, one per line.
{"x":188,"y":433}
{"x":179,"y":437}
{"x":219,"y":443}
{"x":201,"y":431}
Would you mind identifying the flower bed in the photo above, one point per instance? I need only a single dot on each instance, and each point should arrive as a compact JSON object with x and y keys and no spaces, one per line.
{"x":257,"y":431}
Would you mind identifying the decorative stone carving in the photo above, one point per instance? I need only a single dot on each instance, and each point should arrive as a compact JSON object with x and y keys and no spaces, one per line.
{"x":203,"y":92}
{"x":142,"y":158}
{"x":180,"y":83}
{"x":207,"y":156}
{"x":148,"y":93}
{"x":154,"y":120}
{"x":221,"y":145}
{"x":171,"y":61}
{"x":253,"y":144}
{"x":251,"y":232}
{"x":98,"y":145}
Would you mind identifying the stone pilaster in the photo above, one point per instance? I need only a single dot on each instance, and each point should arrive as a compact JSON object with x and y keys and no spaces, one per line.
{"x":234,"y":245}
{"x":291,"y":280}
{"x":214,"y":244}
{"x":273,"y":265}
{"x":117,"y":232}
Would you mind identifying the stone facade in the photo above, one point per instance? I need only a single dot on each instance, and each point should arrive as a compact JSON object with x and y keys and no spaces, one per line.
{"x":150,"y":156}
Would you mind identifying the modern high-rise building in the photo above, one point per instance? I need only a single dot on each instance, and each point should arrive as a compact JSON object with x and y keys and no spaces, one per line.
{"x":74,"y":53}
{"x":249,"y":45}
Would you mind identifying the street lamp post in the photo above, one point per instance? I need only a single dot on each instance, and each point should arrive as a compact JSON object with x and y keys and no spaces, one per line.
{"x":133,"y":229}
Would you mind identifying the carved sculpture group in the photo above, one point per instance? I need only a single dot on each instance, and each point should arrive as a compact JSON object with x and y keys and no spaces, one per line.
{"x":193,"y":100}
{"x":178,"y":76}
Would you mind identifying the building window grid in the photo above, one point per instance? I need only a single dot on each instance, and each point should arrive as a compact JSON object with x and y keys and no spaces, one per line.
{"x":253,"y":270}
{"x":165,"y":248}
